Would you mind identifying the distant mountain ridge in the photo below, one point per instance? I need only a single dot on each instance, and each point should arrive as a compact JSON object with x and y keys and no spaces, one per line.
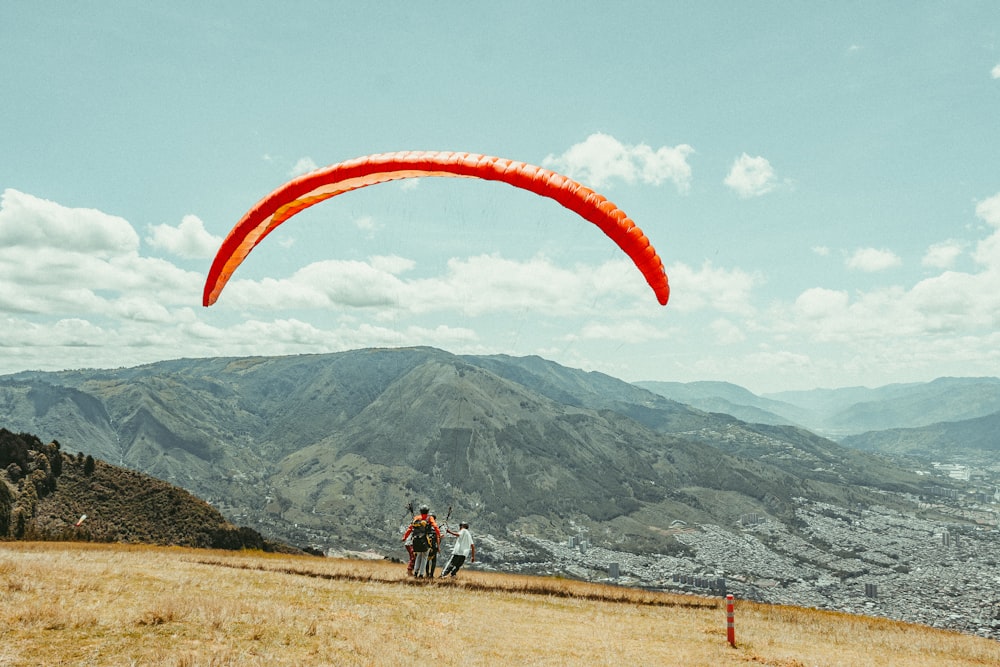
{"x":730,"y":399}
{"x":839,"y":413}
{"x":331,"y":448}
{"x":981,"y":434}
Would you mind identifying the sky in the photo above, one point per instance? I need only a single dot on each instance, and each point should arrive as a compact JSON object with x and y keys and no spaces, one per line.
{"x":821,"y":181}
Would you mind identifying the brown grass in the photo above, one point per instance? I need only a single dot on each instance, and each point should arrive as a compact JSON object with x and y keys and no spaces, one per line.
{"x":80,"y":604}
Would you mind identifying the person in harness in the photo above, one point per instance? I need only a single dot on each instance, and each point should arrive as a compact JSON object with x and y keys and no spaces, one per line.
{"x":411,"y":556}
{"x":432,"y":551}
{"x":423,"y":529}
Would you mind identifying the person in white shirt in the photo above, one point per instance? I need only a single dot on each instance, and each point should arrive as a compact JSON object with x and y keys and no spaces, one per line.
{"x":464,"y":546}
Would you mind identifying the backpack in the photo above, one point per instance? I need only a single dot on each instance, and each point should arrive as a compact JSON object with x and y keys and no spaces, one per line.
{"x":419,"y":530}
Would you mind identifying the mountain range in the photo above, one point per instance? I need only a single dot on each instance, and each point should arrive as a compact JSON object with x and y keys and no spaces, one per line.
{"x":846,"y":413}
{"x":334,"y":449}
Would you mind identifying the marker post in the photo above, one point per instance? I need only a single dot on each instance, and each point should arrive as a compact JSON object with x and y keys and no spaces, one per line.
{"x":730,"y":626}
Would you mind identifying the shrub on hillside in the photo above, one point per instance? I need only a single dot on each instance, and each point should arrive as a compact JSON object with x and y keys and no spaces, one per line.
{"x":121,"y":505}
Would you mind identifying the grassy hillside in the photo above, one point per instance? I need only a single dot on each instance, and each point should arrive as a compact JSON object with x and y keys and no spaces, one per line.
{"x":85,"y":604}
{"x":45,"y":493}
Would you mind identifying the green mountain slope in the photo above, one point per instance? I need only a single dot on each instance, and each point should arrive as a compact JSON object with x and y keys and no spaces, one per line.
{"x":943,"y":439}
{"x":329,"y":449}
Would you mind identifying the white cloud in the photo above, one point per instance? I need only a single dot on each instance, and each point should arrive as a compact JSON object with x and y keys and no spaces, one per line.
{"x":601,"y":159}
{"x":68,"y":332}
{"x":779,"y":362}
{"x":491,"y":283}
{"x":303,"y":166}
{"x":710,"y":288}
{"x":954,"y":301}
{"x":80,"y":264}
{"x":140,"y":309}
{"x":726,"y":332}
{"x":108,"y":305}
{"x":31,"y":223}
{"x":950,"y":319}
{"x":828,"y":316}
{"x":947,"y":319}
{"x":393,"y":264}
{"x":624,"y":331}
{"x":751,"y":176}
{"x":320,"y":285}
{"x":366,"y":224}
{"x":987,"y":252}
{"x":473,"y":286}
{"x":189,"y":239}
{"x":818,"y":303}
{"x":821,"y":250}
{"x":942,"y":255}
{"x":995,"y":72}
{"x":871,"y":260}
{"x":951,"y":303}
{"x":989,"y":210}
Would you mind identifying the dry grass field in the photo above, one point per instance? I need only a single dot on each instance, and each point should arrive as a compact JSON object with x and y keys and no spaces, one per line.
{"x":84,"y":604}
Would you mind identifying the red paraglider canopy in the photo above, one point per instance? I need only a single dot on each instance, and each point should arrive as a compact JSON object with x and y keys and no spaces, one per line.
{"x":314,"y":187}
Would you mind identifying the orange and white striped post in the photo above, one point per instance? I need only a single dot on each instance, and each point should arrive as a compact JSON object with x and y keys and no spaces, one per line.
{"x":730,"y":626}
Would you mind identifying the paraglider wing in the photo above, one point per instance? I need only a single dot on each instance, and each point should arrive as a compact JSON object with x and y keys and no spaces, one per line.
{"x":314,"y":187}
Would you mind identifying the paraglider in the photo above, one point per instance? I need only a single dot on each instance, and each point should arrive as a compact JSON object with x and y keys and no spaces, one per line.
{"x":314,"y":187}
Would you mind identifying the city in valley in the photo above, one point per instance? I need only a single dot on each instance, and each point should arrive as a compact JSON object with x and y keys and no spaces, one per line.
{"x":936,"y":564}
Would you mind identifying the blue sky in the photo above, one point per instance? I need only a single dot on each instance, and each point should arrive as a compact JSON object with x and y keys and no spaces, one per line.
{"x":822,"y":181}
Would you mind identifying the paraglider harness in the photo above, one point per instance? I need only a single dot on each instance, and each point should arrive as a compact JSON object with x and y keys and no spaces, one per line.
{"x":422,"y":533}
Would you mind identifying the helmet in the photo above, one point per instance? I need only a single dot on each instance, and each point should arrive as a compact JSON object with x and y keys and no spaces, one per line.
{"x":424,"y":509}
